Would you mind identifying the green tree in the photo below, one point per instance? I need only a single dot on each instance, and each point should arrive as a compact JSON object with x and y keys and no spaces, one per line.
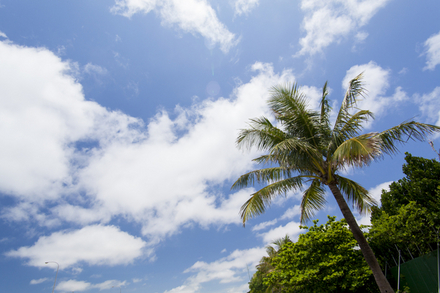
{"x":303,"y":147}
{"x":409,"y":217}
{"x":256,"y":284}
{"x":421,"y":184}
{"x":412,"y":230}
{"x":323,"y":260}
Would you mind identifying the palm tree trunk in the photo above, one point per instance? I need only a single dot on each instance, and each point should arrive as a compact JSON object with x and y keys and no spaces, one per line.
{"x":381,"y":281}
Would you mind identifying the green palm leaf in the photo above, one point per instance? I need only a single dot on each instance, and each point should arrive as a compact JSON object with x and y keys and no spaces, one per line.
{"x":390,"y":138}
{"x":261,"y":134}
{"x":357,"y":151}
{"x":356,"y":194}
{"x":260,"y":200}
{"x":312,"y":201}
{"x":266,"y":175}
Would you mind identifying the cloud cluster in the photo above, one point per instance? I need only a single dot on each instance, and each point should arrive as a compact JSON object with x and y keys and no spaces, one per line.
{"x":94,"y":245}
{"x":191,"y":16}
{"x":78,"y":286}
{"x":227,"y":270}
{"x":432,"y":47}
{"x":326,"y":22}
{"x":91,"y":164}
{"x":430,"y":106}
{"x":245,"y":6}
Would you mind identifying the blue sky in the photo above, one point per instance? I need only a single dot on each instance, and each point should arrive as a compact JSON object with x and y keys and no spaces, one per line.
{"x":118,"y":121}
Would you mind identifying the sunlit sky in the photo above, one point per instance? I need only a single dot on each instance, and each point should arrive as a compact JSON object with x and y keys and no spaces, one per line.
{"x":118,"y":121}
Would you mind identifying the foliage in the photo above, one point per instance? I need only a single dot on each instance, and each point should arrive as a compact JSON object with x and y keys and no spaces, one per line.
{"x":421,"y":184}
{"x":305,"y":149}
{"x":324,"y":259}
{"x":409,"y":218}
{"x":412,"y":230}
{"x":256,"y":284}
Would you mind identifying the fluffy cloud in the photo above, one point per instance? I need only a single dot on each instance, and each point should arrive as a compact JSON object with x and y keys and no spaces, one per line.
{"x":291,"y":229}
{"x":376,"y":82}
{"x":227,"y":270}
{"x":432,"y":47}
{"x":430,"y":106}
{"x":94,"y":245}
{"x":291,"y":212}
{"x":43,"y":114}
{"x":244,"y":6}
{"x":39,"y":281}
{"x":94,"y":69}
{"x":192,"y":16}
{"x":232,"y":268}
{"x":134,"y":178}
{"x":263,"y":225}
{"x":159,"y":175}
{"x":74,"y":285}
{"x":326,"y":22}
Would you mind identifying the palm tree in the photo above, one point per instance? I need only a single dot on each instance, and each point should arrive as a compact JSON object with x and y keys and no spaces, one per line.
{"x":303,"y":149}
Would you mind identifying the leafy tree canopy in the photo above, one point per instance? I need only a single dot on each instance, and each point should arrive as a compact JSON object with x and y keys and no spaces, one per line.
{"x":421,"y":184}
{"x":412,"y":230}
{"x":409,"y":217}
{"x":325,"y":259}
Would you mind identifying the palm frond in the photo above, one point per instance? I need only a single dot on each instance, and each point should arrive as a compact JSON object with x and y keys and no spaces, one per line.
{"x":357,"y":151}
{"x":390,"y":138}
{"x":313,"y":200}
{"x":353,"y":125}
{"x":296,"y":150}
{"x":267,"y":175}
{"x":325,"y":106}
{"x":356,"y":194}
{"x":260,"y":200}
{"x":291,"y":109}
{"x":261,"y":134}
{"x":354,"y":93}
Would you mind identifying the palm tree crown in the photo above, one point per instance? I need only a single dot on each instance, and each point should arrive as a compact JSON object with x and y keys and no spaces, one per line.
{"x":302,"y":148}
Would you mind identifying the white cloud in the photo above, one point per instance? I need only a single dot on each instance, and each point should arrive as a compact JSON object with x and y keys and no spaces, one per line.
{"x":376,"y":82}
{"x":234,"y":267}
{"x":94,"y":69}
{"x":126,"y":169}
{"x":291,"y":212}
{"x":264,"y":225}
{"x":375,"y":193}
{"x":109,"y":284}
{"x":142,"y":171}
{"x":39,"y":281}
{"x":326,"y":22}
{"x":3,"y":35}
{"x":430,"y":106}
{"x":361,"y":36}
{"x":432,"y":47}
{"x":291,"y":229}
{"x":94,"y":245}
{"x":244,"y":6}
{"x":191,"y":16}
{"x":227,"y":270}
{"x":43,"y":113}
{"x":75,"y":286}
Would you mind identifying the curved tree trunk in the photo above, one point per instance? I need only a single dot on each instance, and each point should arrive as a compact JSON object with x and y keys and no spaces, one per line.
{"x":381,"y":281}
